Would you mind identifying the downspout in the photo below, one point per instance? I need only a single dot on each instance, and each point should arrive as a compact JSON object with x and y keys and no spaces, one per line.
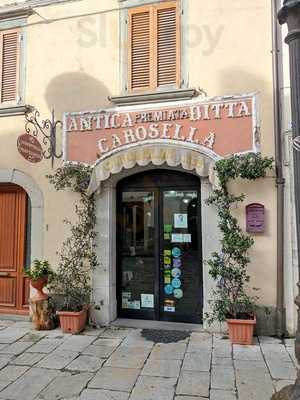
{"x":280,"y":181}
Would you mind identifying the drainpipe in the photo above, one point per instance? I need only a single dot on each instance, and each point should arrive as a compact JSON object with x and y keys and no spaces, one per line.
{"x":280,"y":309}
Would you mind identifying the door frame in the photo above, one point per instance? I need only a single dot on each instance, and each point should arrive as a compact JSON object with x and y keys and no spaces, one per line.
{"x":21,"y":306}
{"x":158,"y":206}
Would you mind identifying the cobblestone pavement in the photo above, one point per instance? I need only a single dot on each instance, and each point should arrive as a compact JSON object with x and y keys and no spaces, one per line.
{"x":120,"y":364}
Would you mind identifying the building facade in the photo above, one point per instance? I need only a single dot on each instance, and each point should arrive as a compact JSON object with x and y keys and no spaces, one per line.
{"x":151,"y":93}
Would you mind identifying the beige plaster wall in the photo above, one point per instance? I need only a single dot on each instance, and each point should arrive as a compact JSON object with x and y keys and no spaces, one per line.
{"x":73,"y":63}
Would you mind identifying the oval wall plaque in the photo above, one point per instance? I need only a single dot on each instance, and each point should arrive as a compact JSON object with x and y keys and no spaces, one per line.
{"x":30,"y":148}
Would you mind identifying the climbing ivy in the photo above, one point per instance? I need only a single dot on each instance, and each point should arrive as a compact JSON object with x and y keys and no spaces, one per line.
{"x":228,"y":267}
{"x":77,"y":255}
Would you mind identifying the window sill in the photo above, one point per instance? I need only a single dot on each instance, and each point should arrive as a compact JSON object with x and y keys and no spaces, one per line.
{"x":154,"y":97}
{"x":7,"y":111}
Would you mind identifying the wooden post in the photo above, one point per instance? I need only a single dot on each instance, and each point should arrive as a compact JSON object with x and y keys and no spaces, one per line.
{"x":43,"y":316}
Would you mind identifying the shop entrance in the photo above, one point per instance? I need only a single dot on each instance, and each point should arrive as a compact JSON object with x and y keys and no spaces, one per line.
{"x":159,"y":247}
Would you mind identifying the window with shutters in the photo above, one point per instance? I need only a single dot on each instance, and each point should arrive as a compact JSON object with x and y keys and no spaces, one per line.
{"x":9,"y":66}
{"x":154,"y":47}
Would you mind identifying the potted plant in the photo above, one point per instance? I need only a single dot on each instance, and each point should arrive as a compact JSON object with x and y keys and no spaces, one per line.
{"x":40,"y":273}
{"x":71,"y":290}
{"x":231,"y":303}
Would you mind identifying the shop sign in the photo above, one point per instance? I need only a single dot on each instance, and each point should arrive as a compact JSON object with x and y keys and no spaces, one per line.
{"x":255,"y":218}
{"x":30,"y":148}
{"x":223,"y":126}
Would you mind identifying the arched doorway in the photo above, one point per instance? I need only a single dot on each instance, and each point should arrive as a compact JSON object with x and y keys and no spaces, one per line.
{"x":159,"y":247}
{"x":14,"y":215}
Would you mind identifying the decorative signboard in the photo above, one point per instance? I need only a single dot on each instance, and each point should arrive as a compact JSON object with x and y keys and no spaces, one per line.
{"x":222,"y":126}
{"x":255,"y":218}
{"x":30,"y":148}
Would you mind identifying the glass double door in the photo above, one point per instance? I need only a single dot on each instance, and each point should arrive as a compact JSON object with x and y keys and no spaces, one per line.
{"x":159,"y":247}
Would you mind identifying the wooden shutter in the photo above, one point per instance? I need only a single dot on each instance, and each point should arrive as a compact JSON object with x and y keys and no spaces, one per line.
{"x":9,"y":65}
{"x":139,"y":49}
{"x":167,"y":45}
{"x":154,"y":46}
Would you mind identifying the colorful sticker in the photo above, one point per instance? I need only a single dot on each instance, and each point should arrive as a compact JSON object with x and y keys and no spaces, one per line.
{"x":167,"y":228}
{"x":169,"y":302}
{"x":167,"y":280}
{"x":167,"y":260}
{"x":187,"y":238}
{"x":180,"y":220}
{"x":176,"y":273}
{"x":147,"y":300}
{"x":167,"y":253}
{"x":177,"y":263}
{"x":177,"y":238}
{"x":169,"y":309}
{"x":167,"y":272}
{"x":167,"y":236}
{"x":178,"y":293}
{"x":176,"y":283}
{"x":134,"y":305}
{"x":176,"y":252}
{"x":169,"y":289}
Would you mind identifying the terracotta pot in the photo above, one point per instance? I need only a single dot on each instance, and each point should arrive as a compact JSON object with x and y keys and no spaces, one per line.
{"x":72,"y":322}
{"x":38,"y":285}
{"x":241,"y":330}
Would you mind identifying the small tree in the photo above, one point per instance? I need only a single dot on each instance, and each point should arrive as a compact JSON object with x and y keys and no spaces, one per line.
{"x":71,"y":283}
{"x":229,"y":266}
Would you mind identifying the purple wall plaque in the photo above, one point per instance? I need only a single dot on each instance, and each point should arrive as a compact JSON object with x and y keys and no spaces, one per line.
{"x":255,"y":218}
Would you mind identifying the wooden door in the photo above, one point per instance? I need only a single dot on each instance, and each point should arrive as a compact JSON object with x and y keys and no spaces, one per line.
{"x":14,"y":287}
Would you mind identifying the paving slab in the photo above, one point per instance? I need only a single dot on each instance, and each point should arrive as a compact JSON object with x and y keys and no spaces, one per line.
{"x":189,"y":398}
{"x":99,"y":394}
{"x":11,"y":334}
{"x":85,"y":363}
{"x":281,"y":384}
{"x":128,"y":357}
{"x":29,"y":359}
{"x":292,"y":354}
{"x":110,"y":378}
{"x":16,"y":348}
{"x":225,"y":362}
{"x":250,"y":353}
{"x":169,"y":351}
{"x":253,"y":385}
{"x":153,"y":388}
{"x":119,"y":333}
{"x":289,"y":343}
{"x":269,"y":340}
{"x":197,"y":361}
{"x":76,"y":343}
{"x":99,"y":351}
{"x":46,"y":345}
{"x":29,"y":385}
{"x":222,"y":395}
{"x":4,"y":360}
{"x":65,"y":386}
{"x":113,"y":342}
{"x":278,"y":370}
{"x":11,"y":372}
{"x":192,"y":383}
{"x":90,"y":331}
{"x":163,"y":368}
{"x":251,"y":365}
{"x":222,"y":378}
{"x":58,"y":359}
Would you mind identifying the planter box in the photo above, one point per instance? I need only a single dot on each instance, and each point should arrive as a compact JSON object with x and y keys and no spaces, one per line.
{"x":72,"y":322}
{"x":241,"y":330}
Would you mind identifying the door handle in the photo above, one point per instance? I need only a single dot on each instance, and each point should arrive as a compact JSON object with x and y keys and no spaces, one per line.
{"x":4,"y":274}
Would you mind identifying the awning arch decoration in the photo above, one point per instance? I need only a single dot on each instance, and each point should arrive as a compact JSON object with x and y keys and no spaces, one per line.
{"x":189,"y":158}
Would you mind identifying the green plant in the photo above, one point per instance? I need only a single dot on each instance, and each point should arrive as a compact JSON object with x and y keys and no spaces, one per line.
{"x":72,"y":286}
{"x":229,"y":266}
{"x":39,"y":269}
